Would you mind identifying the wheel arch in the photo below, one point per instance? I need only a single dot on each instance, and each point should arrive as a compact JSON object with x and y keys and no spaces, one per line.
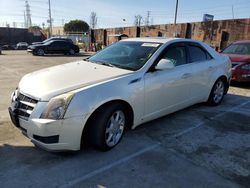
{"x":129,"y":113}
{"x":225,"y":80}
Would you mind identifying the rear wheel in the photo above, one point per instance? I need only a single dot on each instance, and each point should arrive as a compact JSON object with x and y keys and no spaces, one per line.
{"x":71,"y":52}
{"x":217,"y":93}
{"x":107,"y":127}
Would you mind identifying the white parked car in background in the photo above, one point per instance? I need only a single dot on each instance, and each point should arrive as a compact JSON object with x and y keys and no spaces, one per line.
{"x":124,"y":85}
{"x":22,"y":46}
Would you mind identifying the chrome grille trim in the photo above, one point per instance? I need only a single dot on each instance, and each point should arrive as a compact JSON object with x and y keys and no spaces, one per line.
{"x":28,"y":103}
{"x":25,"y":105}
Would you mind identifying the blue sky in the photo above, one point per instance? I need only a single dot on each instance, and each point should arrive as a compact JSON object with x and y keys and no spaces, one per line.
{"x":112,"y":12}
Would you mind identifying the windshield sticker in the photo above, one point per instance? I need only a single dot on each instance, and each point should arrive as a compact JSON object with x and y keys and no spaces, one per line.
{"x":150,"y":44}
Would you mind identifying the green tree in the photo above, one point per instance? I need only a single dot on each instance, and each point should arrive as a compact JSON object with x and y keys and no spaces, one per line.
{"x":76,"y":26}
{"x":33,"y":28}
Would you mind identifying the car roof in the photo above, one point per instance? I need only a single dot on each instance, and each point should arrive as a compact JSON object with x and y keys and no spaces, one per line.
{"x":150,"y":39}
{"x":242,"y":41}
{"x":57,"y":40}
{"x":161,"y":40}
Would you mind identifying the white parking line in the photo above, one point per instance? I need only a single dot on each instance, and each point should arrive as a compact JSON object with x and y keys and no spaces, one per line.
{"x":109,"y":166}
{"x":125,"y":159}
{"x":201,"y":123}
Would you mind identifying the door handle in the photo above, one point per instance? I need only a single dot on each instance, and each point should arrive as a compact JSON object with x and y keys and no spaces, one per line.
{"x":186,"y":75}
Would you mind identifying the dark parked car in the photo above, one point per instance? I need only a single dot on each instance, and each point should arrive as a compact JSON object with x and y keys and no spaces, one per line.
{"x":239,"y":53}
{"x":53,"y":38}
{"x":54,"y":47}
{"x":8,"y":47}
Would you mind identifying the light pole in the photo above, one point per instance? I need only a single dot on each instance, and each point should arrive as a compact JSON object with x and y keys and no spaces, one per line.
{"x":50,"y":20}
{"x":175,"y":18}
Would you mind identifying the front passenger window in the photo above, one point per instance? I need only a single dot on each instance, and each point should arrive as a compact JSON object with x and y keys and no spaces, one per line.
{"x":177,"y":55}
{"x":54,"y":44}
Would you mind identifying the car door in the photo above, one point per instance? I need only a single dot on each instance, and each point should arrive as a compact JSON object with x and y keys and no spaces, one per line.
{"x":202,"y":65}
{"x":167,"y":90}
{"x":64,"y":47}
{"x":52,"y":47}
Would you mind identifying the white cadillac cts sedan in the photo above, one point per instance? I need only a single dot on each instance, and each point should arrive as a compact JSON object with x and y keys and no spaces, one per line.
{"x":126,"y":84}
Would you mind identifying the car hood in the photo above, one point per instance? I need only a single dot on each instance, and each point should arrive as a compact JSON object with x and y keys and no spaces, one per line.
{"x":47,"y":83}
{"x":35,"y":43}
{"x":239,"y":58}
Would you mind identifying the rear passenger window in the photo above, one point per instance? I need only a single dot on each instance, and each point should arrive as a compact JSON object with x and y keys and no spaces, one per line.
{"x":198,"y":54}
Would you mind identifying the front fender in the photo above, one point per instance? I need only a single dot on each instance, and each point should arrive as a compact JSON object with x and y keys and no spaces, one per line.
{"x":88,"y":99}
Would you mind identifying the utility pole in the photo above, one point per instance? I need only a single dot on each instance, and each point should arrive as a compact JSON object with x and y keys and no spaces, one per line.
{"x":233,"y":11}
{"x":147,"y":18}
{"x":28,"y":14}
{"x":175,"y":18}
{"x":138,"y":20}
{"x":25,"y":21}
{"x":50,"y":20}
{"x":93,"y":20}
{"x":233,"y":22}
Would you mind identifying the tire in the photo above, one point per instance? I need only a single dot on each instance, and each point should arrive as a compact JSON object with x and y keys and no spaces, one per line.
{"x":107,"y":127}
{"x":217,"y":93}
{"x":71,"y":52}
{"x":40,"y":52}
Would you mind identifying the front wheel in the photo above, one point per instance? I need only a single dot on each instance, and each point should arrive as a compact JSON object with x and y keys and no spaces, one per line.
{"x":40,"y":52}
{"x":217,"y":93}
{"x":107,"y":127}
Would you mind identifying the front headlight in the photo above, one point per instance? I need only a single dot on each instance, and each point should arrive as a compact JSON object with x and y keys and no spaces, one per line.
{"x":57,"y":107}
{"x":245,"y":67}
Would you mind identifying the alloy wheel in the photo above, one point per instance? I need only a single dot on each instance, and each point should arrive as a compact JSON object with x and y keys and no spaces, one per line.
{"x":115,"y":128}
{"x":218,"y":91}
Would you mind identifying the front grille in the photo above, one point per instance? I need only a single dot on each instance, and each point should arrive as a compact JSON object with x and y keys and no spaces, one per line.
{"x":25,"y":106}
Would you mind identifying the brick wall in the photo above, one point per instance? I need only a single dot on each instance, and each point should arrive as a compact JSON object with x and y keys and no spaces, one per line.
{"x":217,"y":33}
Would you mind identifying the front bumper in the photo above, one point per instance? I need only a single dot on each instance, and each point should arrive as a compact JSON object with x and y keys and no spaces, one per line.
{"x":241,"y":76}
{"x":30,"y":51}
{"x":51,"y":135}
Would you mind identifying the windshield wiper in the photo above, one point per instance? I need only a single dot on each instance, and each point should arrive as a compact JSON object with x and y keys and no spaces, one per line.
{"x":110,"y":65}
{"x":103,"y":63}
{"x":107,"y":64}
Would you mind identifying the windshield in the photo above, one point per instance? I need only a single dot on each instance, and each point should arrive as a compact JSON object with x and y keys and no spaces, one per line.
{"x":46,"y":40}
{"x":126,"y":55}
{"x":242,"y":49}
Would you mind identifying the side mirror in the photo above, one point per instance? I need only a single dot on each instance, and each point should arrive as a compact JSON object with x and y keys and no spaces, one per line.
{"x":164,"y":64}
